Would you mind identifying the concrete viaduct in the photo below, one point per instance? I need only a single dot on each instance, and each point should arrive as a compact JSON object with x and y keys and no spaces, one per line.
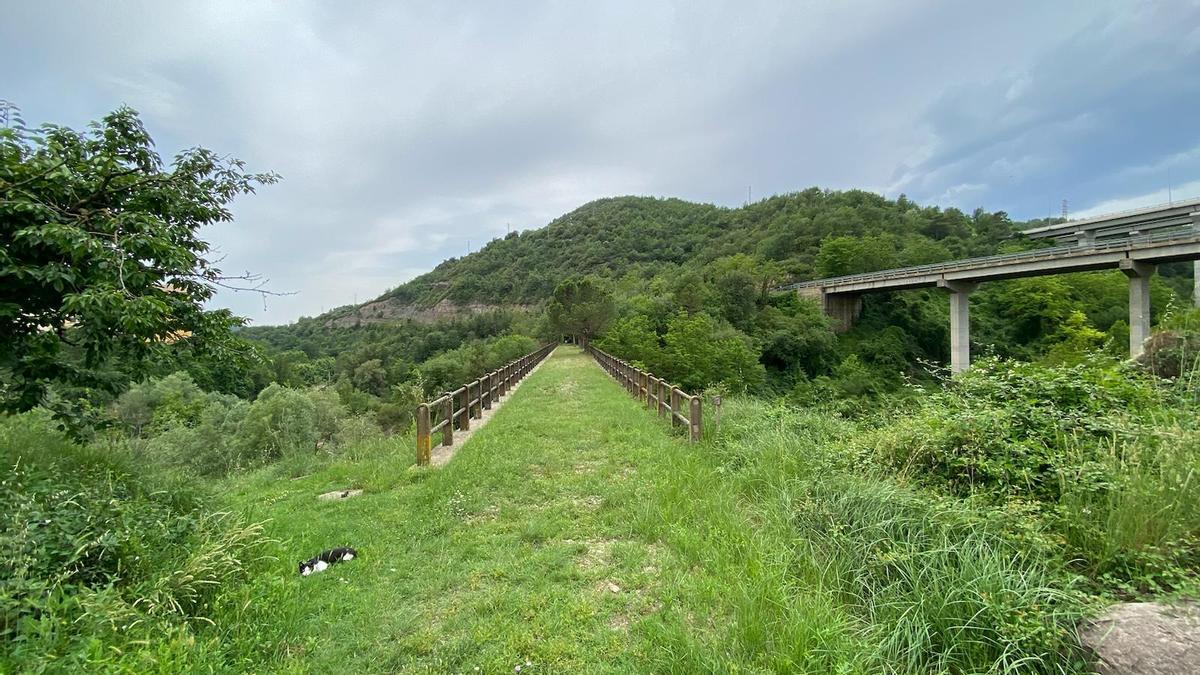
{"x":1135,"y":242}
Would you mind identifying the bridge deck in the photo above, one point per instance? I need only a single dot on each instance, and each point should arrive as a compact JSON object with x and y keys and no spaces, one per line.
{"x":1150,"y":249}
{"x":1123,"y":224}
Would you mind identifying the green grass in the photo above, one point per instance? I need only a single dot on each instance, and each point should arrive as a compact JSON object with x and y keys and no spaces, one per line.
{"x":508,"y":554}
{"x":576,"y":533}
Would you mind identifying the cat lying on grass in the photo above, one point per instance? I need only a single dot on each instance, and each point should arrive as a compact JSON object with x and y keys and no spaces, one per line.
{"x":327,"y":558}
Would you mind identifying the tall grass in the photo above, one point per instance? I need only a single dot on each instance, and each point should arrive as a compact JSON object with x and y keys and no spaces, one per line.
{"x":1138,"y":532}
{"x":922,"y":582}
{"x":108,"y":564}
{"x":972,"y":529}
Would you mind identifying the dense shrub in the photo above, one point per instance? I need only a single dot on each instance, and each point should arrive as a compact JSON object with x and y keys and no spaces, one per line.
{"x":933,"y":583}
{"x":1174,"y":351}
{"x":1095,"y":464}
{"x":158,"y":403}
{"x":450,"y":369}
{"x":214,"y":434}
{"x":1001,"y":427}
{"x":106,"y":565}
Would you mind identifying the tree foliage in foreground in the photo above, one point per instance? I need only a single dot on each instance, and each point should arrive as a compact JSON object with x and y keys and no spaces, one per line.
{"x":101,"y":263}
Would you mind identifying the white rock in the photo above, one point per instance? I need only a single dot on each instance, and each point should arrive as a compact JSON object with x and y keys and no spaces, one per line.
{"x":1145,"y":638}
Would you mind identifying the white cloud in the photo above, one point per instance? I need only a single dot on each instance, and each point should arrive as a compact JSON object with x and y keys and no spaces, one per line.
{"x":1177,"y":193}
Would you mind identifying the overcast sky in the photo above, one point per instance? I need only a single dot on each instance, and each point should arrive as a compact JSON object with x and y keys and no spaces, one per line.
{"x":406,"y":131}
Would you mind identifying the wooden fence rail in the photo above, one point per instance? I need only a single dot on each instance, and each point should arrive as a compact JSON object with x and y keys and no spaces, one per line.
{"x":655,"y":392}
{"x":459,"y":407}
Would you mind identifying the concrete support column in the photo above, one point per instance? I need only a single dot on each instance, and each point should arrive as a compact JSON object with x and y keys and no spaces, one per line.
{"x":960,"y":323}
{"x":1139,"y":274}
{"x":1085,"y":238}
{"x":843,"y":309}
{"x":1196,"y":265}
{"x":1196,"y":283}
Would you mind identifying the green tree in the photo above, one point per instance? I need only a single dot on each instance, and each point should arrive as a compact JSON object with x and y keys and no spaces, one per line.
{"x":100,"y":255}
{"x":1074,"y":340}
{"x":737,"y":297}
{"x":839,"y":256}
{"x":371,"y":377}
{"x":581,"y":307}
{"x":634,"y":339}
{"x":700,"y":354}
{"x":802,"y":339}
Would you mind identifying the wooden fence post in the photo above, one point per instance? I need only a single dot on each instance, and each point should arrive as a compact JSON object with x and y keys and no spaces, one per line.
{"x":662,"y":402}
{"x":466,"y":404}
{"x":694,"y":419}
{"x":448,"y":430}
{"x":485,"y":387}
{"x":651,"y":393}
{"x":423,"y":440}
{"x":675,"y":406}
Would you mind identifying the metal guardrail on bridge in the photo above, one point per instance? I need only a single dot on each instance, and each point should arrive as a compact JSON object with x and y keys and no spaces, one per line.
{"x":994,"y":260}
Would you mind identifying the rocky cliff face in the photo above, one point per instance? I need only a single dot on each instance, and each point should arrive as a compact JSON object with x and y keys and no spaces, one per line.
{"x":383,"y":311}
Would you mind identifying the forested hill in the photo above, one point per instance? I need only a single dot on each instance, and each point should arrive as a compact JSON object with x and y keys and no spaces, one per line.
{"x":689,"y":290}
{"x":797,"y":234}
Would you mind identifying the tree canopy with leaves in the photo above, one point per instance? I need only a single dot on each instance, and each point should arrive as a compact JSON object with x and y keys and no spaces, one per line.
{"x":101,"y":260}
{"x":581,"y":308}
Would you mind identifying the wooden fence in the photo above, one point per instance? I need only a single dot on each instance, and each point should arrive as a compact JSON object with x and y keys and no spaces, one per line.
{"x":458,"y":407}
{"x":655,"y":392}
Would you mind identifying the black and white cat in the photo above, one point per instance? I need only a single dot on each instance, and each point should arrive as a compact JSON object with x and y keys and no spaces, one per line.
{"x":327,"y":558}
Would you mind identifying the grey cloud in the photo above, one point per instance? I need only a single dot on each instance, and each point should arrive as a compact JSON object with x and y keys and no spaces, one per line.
{"x":403,"y":131}
{"x":1108,"y":96}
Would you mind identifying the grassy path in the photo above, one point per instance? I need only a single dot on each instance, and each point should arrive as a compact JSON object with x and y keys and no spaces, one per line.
{"x":567,"y":534}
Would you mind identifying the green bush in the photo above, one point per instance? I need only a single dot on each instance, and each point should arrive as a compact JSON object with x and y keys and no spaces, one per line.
{"x":160,"y":402}
{"x":208,"y":448}
{"x":1094,"y":464}
{"x":932,"y":583}
{"x":215,"y":434}
{"x":107,"y":565}
{"x":1000,"y":427}
{"x":698,"y":353}
{"x":451,"y":369}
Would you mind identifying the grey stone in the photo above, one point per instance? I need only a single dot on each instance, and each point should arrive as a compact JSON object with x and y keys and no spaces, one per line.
{"x":340,"y":494}
{"x":1145,"y":638}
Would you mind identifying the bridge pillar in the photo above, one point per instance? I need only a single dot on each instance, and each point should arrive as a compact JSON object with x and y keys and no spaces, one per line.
{"x":1196,"y":283}
{"x":1196,"y":265}
{"x":1139,"y":274}
{"x":960,"y":323}
{"x":843,"y":309}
